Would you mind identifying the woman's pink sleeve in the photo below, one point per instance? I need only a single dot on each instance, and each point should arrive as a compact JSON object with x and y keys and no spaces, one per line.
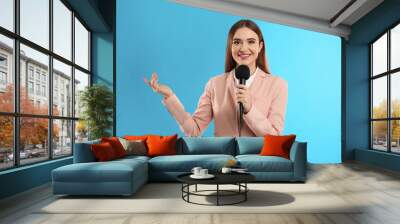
{"x":273,"y":122}
{"x":196,"y":124}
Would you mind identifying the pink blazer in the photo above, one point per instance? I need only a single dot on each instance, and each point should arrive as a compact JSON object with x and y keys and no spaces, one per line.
{"x":266,"y":116}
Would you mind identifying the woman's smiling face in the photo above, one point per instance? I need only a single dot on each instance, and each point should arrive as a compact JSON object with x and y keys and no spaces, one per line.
{"x":245,"y":47}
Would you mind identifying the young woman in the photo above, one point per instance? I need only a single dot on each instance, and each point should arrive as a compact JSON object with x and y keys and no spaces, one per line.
{"x":264,"y":97}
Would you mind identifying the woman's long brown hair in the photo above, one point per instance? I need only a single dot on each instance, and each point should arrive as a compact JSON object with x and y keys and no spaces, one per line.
{"x":261,"y":61}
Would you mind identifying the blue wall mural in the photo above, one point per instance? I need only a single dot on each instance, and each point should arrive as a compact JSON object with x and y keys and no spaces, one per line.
{"x":186,"y":46}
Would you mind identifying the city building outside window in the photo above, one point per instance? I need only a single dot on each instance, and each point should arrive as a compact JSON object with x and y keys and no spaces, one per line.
{"x":57,"y":128}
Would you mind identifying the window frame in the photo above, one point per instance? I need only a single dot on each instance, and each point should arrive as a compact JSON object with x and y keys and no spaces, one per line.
{"x":388,"y":74}
{"x":16,"y":115}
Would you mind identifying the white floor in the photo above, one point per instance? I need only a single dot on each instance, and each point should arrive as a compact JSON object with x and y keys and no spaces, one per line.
{"x":377,"y":189}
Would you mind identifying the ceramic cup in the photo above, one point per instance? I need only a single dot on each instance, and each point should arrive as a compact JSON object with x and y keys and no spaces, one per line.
{"x":196,"y":171}
{"x":226,"y":170}
{"x":203,"y":172}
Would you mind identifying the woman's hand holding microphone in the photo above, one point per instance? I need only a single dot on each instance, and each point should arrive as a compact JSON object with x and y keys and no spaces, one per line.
{"x":243,"y":96}
{"x":162,"y":89}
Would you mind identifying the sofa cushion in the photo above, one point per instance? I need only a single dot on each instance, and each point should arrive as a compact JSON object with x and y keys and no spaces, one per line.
{"x":134,"y":147}
{"x":185,"y":163}
{"x":249,"y":145}
{"x":161,"y":145}
{"x":103,"y":152}
{"x":116,"y":145}
{"x":257,"y":163}
{"x":275,"y":145}
{"x":111,"y":171}
{"x":206,"y":145}
{"x":138,"y":137}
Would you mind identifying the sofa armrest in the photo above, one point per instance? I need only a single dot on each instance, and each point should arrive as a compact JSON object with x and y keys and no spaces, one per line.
{"x":298,"y":155}
{"x":83,"y":152}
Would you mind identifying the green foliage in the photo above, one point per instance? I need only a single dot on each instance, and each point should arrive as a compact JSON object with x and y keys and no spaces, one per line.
{"x":97,"y":104}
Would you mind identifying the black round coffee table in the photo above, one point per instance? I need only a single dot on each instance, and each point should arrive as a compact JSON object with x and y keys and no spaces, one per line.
{"x":238,"y":179}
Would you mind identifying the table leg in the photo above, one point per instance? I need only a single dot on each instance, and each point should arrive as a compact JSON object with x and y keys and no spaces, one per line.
{"x":245,"y":193}
{"x":217,"y":194}
{"x":196,"y":188}
{"x":182,"y":188}
{"x":188,"y":190}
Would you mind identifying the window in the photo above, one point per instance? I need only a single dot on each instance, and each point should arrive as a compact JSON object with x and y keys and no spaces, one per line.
{"x":30,"y":72}
{"x":3,"y":72}
{"x":62,"y":74}
{"x":7,"y":14}
{"x":30,"y":87}
{"x":81,"y":81}
{"x":385,"y":91}
{"x":81,"y":45}
{"x":6,"y":86}
{"x":3,"y":61}
{"x":54,"y":126}
{"x":35,"y":21}
{"x":37,"y":89}
{"x":38,"y":74}
{"x":44,"y":91}
{"x":62,"y":29}
{"x":62,"y":140}
{"x":3,"y":78}
{"x":7,"y":142}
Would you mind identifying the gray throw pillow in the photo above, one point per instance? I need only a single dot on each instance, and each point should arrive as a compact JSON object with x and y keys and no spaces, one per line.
{"x":134,"y":147}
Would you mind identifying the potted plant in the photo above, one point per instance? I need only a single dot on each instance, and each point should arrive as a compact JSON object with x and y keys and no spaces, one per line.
{"x":96,"y":102}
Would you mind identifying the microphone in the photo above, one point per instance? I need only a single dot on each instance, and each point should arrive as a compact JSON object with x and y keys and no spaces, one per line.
{"x":242,"y":73}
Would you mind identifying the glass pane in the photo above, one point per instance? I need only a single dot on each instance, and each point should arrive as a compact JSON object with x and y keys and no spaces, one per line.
{"x":62,"y":29}
{"x":395,"y":94}
{"x":395,"y":136}
{"x":395,"y":47}
{"x":6,"y":74}
{"x":379,"y":98}
{"x":81,"y":81}
{"x":62,"y":138}
{"x":35,"y":21}
{"x":81,"y":131}
{"x":33,"y":139}
{"x":379,"y":135}
{"x":62,"y":89}
{"x":34,"y":17}
{"x":34,"y":82}
{"x":379,"y":55}
{"x":7,"y":14}
{"x":81,"y":45}
{"x":6,"y":142}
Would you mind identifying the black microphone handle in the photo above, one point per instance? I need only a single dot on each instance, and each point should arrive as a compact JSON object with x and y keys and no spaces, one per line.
{"x":241,"y":118}
{"x":241,"y":109}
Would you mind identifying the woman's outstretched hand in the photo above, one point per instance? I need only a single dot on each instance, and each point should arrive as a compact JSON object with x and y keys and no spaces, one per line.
{"x":162,"y":89}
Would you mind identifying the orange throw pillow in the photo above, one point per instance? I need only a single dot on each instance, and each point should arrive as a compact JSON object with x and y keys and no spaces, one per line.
{"x":134,"y":138}
{"x":116,"y":145}
{"x":103,"y":151}
{"x":277,"y":145}
{"x":161,"y":145}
